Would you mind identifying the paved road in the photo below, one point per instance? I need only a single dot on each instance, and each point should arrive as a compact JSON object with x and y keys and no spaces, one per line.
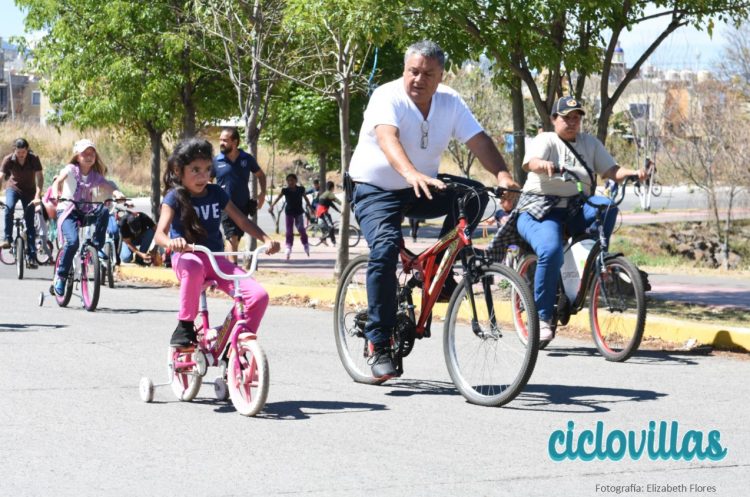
{"x":72,"y":424}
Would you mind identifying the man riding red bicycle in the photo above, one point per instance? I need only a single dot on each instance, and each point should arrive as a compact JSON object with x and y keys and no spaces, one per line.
{"x":407,"y":126}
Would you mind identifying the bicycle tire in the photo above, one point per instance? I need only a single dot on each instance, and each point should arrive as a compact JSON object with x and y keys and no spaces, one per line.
{"x":90,"y":278}
{"x":185,"y":383}
{"x":656,"y":189}
{"x":525,"y":268}
{"x":107,"y":273}
{"x":349,"y":314}
{"x":248,"y":386}
{"x":64,"y":299}
{"x":617,"y":310}
{"x":20,"y":248}
{"x":7,"y":256}
{"x":44,"y":251}
{"x":314,"y":235}
{"x":469,"y":357}
{"x":355,"y":235}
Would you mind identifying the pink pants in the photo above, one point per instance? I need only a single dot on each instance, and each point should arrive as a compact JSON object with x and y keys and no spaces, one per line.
{"x":193,"y":269}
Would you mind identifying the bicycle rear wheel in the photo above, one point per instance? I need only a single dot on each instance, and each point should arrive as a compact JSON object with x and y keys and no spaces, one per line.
{"x":248,"y":377}
{"x":184,"y":380}
{"x":7,"y":256}
{"x":617,"y":310}
{"x":354,"y":236}
{"x":485,"y":358}
{"x":349,"y":318}
{"x":44,"y":250}
{"x":90,"y":278}
{"x":20,"y":249}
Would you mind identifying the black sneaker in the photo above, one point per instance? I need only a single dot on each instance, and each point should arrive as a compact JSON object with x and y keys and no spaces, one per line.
{"x":31,"y":262}
{"x":184,"y":335}
{"x":381,"y":363}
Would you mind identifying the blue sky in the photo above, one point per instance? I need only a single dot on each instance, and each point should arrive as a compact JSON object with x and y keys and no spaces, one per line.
{"x":684,"y":49}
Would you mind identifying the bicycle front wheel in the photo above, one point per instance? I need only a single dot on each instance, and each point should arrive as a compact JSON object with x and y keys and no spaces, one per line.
{"x":485,"y":358}
{"x":44,"y":250}
{"x":248,"y":377}
{"x":90,"y":278}
{"x":617,"y":309}
{"x":315,"y":234}
{"x":349,"y":318}
{"x":20,"y":248}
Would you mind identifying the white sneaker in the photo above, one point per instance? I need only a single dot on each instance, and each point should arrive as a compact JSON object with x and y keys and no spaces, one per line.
{"x":287,"y":252}
{"x":545,"y":331}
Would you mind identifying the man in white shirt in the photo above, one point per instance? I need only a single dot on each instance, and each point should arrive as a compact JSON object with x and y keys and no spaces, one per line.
{"x":407,"y":126}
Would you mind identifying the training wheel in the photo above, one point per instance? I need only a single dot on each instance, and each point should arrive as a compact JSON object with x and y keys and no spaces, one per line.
{"x":41,"y":299}
{"x":221,"y":392}
{"x":146,"y":388}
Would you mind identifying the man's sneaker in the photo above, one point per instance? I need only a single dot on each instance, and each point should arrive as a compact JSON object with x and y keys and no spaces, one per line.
{"x":31,"y":262}
{"x":448,"y":289}
{"x":381,"y":363}
{"x":5,"y":244}
{"x":287,"y":252}
{"x":102,"y":255}
{"x":184,"y":335}
{"x":545,"y":331}
{"x":59,"y":286}
{"x":307,"y":250}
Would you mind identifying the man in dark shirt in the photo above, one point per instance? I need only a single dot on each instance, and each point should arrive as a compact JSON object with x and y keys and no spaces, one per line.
{"x":23,"y":172}
{"x":232,"y":169}
{"x":137,"y":232}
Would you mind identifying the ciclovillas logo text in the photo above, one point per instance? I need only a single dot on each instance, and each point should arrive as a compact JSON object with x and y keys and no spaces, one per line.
{"x":662,"y":442}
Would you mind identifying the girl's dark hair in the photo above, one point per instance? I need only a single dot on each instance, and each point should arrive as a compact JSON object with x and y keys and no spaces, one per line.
{"x":184,"y":153}
{"x":291,"y":175}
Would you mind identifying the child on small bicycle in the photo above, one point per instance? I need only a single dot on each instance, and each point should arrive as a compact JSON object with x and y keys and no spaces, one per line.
{"x":191,"y":213}
{"x":294,"y":212}
{"x":327,"y":201}
{"x":79,"y":181}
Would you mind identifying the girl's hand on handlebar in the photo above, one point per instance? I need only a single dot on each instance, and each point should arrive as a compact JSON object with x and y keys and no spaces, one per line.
{"x":273,"y":246}
{"x":178,"y":245}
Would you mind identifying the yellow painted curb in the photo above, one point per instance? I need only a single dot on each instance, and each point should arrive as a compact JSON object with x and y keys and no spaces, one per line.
{"x":668,"y":329}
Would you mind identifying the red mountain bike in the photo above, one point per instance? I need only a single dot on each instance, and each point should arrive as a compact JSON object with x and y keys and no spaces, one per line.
{"x":485,"y":358}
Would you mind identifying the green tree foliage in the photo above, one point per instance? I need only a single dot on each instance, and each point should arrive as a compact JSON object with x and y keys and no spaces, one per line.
{"x":123,"y":64}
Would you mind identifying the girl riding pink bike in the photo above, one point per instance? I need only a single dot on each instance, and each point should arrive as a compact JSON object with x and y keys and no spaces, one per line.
{"x":190,"y":214}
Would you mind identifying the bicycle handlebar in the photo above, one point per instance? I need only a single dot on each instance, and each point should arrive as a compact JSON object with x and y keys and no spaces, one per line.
{"x":212,"y":258}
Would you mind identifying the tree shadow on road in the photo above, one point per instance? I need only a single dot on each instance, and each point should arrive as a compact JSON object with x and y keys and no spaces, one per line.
{"x":15,"y":327}
{"x":304,"y":409}
{"x":654,"y":357}
{"x":577,"y":399}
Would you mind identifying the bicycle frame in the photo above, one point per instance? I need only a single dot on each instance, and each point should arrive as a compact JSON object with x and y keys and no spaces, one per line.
{"x":213,"y":347}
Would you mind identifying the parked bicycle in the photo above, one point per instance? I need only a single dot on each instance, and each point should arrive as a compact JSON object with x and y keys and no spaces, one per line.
{"x":318,"y":232}
{"x":85,"y":274}
{"x":487,"y":362}
{"x":233,"y":347}
{"x":18,"y":252}
{"x":617,"y":304}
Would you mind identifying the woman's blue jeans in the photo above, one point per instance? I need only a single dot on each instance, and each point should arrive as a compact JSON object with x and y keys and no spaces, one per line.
{"x":546,"y":238}
{"x":99,"y":218}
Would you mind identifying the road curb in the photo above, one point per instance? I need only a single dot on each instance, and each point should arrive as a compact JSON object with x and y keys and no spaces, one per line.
{"x":657,"y":327}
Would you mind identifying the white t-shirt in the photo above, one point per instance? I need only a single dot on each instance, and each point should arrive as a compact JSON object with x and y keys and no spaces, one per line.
{"x":449,"y":118}
{"x":548,"y":146}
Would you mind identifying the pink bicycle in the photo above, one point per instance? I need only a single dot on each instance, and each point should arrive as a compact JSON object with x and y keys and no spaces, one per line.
{"x":232,"y":347}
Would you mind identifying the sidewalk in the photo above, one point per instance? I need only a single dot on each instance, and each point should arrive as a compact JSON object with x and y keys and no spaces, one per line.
{"x":709,"y":291}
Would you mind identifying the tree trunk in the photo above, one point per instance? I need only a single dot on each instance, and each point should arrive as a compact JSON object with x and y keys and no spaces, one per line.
{"x":323,"y":169}
{"x":155,"y":138}
{"x":343,"y":99}
{"x":519,"y":131}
